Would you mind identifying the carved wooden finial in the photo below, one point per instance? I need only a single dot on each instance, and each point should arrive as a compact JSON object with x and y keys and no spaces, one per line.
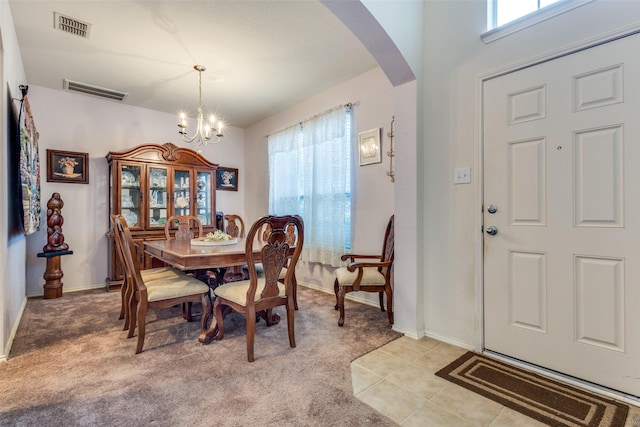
{"x":171,"y":152}
{"x":55,"y":239}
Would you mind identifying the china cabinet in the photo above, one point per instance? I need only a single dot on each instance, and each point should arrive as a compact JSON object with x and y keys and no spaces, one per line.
{"x":149,"y":184}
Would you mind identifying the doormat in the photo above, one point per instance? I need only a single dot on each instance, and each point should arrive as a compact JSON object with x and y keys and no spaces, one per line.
{"x":546,"y":400}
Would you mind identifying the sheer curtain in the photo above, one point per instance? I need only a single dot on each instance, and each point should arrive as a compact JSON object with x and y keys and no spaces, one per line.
{"x":310,"y":175}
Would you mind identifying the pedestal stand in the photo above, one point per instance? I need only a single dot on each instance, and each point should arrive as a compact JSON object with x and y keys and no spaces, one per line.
{"x":52,"y":275}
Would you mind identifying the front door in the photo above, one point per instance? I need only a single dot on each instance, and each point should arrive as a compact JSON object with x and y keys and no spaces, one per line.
{"x":561,"y":160}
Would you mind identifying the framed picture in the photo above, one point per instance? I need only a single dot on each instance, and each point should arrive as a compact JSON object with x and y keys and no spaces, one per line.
{"x":369,"y":147}
{"x":67,"y":166}
{"x":226,"y":179}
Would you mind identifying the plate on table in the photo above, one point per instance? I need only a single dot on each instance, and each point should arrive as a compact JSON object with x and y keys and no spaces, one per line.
{"x":198,"y":242}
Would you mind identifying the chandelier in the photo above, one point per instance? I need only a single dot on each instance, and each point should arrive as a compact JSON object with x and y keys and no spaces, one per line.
{"x":206,"y":133}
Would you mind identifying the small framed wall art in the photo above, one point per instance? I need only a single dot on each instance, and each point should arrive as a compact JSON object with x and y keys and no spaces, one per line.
{"x":67,"y":166}
{"x":369,"y":147}
{"x":226,"y":179}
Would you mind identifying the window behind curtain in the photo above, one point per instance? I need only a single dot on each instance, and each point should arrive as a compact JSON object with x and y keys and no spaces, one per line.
{"x":310,"y":175}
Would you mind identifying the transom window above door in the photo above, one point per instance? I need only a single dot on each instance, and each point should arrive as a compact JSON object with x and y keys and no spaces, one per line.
{"x":505,"y":11}
{"x":505,"y":17}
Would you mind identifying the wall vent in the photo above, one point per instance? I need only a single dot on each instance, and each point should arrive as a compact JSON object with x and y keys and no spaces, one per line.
{"x":94,"y":90}
{"x":70,"y":25}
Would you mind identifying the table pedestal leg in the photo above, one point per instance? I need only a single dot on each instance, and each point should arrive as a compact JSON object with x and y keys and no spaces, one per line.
{"x":52,"y":275}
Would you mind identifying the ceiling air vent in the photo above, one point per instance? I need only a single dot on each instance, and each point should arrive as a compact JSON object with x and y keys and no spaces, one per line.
{"x":94,"y":90}
{"x":71,"y":26}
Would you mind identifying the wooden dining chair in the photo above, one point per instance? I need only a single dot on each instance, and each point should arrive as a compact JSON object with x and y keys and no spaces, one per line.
{"x":257,"y":295}
{"x":290,"y":234}
{"x":368,"y":273}
{"x":149,"y":275}
{"x":186,"y":227}
{"x":234,"y":227}
{"x":157,"y":294}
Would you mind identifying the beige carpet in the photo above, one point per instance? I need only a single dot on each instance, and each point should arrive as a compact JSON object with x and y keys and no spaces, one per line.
{"x":71,"y":364}
{"x":546,"y":400}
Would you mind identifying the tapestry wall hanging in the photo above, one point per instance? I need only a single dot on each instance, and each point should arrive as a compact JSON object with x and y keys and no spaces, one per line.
{"x":29,"y":169}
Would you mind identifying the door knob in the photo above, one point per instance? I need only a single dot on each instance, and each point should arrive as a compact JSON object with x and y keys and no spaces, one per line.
{"x":492,"y":230}
{"x":492,"y":209}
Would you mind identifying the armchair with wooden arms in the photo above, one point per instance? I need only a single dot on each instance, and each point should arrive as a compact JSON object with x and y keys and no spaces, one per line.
{"x":160,"y":293}
{"x":261,"y":295}
{"x":368,"y":273}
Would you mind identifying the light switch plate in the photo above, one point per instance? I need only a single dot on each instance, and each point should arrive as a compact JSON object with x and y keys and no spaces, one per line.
{"x":462,"y":176}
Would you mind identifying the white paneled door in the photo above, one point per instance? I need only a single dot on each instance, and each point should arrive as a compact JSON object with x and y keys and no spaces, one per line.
{"x":562,"y":194}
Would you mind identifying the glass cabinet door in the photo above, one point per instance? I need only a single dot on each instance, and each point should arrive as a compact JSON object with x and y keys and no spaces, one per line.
{"x":204,"y":193}
{"x":181,"y":195}
{"x":130,"y":196}
{"x":157,"y":214}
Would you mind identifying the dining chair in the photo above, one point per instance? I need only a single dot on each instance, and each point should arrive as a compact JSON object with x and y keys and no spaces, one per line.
{"x":234,"y":227}
{"x":185,"y":227}
{"x":258,"y":296}
{"x":149,"y":275}
{"x":372,"y":274}
{"x":157,"y":294}
{"x":290,"y":237}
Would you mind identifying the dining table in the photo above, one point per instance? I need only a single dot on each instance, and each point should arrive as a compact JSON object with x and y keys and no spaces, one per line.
{"x":195,"y":256}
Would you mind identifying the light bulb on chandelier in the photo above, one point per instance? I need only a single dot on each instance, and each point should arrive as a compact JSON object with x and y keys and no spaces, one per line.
{"x":206,"y":133}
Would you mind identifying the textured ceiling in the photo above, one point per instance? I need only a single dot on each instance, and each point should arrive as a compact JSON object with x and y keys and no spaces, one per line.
{"x":261,"y":56}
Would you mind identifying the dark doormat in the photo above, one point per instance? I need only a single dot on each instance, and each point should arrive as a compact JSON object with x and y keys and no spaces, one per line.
{"x":538,"y":397}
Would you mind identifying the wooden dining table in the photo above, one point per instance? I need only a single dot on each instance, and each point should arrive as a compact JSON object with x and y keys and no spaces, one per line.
{"x":184,"y":255}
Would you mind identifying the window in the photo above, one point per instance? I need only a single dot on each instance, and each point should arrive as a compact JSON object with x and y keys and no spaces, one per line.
{"x":509,"y":16}
{"x":504,"y":11}
{"x":310,"y":175}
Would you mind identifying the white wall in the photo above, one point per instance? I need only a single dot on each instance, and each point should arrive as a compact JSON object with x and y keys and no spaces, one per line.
{"x":73,"y":122}
{"x":12,"y":273}
{"x":374,"y":193}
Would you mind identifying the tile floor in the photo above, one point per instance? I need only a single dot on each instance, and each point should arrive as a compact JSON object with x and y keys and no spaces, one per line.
{"x":398,"y":380}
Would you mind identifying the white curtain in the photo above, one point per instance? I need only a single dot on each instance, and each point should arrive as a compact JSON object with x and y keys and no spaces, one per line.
{"x":310,"y":175}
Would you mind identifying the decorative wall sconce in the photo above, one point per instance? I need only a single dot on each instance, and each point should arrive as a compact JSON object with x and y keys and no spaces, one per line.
{"x":390,"y":173}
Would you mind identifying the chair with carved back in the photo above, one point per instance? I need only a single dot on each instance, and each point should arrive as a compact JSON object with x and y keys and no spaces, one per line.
{"x":290,"y":233}
{"x":157,"y":294}
{"x":260,"y":295}
{"x":234,"y":227}
{"x":368,"y":273}
{"x":186,"y":227}
{"x":148,"y":275}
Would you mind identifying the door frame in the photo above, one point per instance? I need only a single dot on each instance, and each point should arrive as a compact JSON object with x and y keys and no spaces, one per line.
{"x":479,"y":217}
